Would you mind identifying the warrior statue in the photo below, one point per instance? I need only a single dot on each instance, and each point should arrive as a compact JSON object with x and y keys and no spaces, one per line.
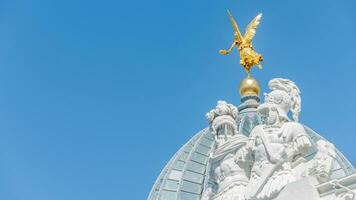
{"x":278,"y":145}
{"x":228,"y":179}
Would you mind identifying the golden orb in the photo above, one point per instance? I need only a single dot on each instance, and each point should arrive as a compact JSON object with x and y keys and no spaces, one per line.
{"x":249,"y":87}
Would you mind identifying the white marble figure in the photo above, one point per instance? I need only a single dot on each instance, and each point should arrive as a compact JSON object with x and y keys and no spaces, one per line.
{"x":260,"y":166}
{"x":228,"y":179}
{"x":321,"y":164}
{"x":223,"y":117}
{"x":278,"y":145}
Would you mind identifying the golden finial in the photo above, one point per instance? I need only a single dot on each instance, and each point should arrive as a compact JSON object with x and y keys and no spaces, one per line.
{"x":248,"y":56}
{"x":249,"y":87}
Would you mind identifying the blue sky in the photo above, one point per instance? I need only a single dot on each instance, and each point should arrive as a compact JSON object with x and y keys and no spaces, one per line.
{"x":96,"y":96}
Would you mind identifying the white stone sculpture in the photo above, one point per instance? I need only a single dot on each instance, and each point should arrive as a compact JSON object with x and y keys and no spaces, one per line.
{"x":284,"y":88}
{"x":322,"y":162}
{"x":277,"y":146}
{"x":279,"y":159}
{"x":228,"y":178}
{"x":223,"y":117}
{"x":260,"y":166}
{"x":346,"y":196}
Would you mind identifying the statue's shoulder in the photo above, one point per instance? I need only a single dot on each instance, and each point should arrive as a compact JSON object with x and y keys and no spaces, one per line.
{"x":294,"y":127}
{"x":294,"y":124}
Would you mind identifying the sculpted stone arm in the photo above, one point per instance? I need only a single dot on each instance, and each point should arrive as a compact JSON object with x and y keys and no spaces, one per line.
{"x":301,"y":141}
{"x":245,"y":154}
{"x":302,"y":144}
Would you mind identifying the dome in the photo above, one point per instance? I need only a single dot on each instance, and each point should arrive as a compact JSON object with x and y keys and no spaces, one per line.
{"x":185,"y":175}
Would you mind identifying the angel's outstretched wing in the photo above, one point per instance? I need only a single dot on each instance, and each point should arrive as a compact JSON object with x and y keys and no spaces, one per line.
{"x":251,"y":28}
{"x":236,"y":28}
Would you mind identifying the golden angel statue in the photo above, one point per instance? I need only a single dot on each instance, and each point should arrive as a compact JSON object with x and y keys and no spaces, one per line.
{"x":248,"y":56}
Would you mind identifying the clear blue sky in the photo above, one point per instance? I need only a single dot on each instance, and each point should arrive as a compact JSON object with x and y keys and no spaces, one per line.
{"x":96,"y":96}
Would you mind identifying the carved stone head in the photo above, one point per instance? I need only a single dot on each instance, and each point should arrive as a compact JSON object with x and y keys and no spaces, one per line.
{"x":284,"y":97}
{"x":222,"y":121}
